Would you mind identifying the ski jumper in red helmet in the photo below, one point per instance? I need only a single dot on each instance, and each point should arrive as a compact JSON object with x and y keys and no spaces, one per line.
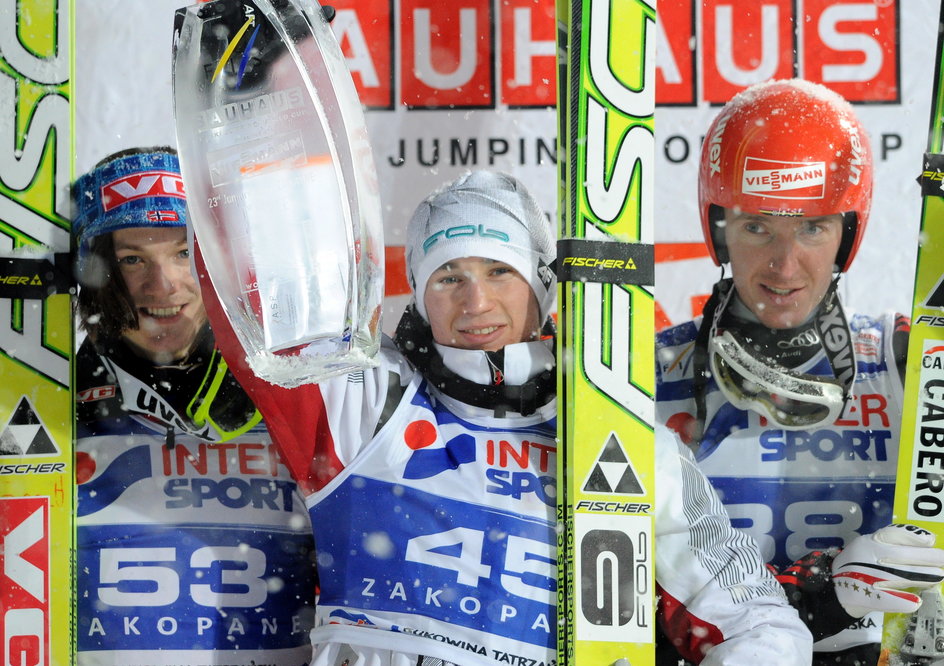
{"x":790,"y":148}
{"x":775,"y":407}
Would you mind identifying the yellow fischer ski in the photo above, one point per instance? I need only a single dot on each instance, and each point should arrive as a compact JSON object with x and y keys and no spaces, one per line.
{"x":36,"y":401}
{"x":606,"y":310}
{"x":919,"y":491}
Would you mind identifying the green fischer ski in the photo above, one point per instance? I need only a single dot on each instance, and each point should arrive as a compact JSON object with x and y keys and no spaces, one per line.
{"x":919,"y":495}
{"x":36,"y":401}
{"x":606,"y":596}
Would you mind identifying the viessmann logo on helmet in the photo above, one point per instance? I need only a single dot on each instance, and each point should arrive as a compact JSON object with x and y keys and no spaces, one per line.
{"x":784,"y":180}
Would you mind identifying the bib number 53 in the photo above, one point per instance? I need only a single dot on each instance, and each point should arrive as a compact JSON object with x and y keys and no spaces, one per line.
{"x":150,"y":577}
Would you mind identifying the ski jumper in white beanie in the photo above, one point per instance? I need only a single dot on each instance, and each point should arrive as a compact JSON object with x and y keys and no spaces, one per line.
{"x":490,"y":215}
{"x":482,"y":214}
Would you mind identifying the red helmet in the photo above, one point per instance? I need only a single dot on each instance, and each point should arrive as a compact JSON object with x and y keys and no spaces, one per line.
{"x":791,"y":148}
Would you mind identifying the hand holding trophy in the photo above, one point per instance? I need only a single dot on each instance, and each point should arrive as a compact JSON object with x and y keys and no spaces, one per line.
{"x":283,"y":193}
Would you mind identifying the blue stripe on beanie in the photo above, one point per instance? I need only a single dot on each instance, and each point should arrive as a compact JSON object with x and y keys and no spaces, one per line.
{"x":136,"y":190}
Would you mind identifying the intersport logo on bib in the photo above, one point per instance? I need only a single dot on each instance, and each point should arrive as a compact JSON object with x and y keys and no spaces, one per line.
{"x":785,"y":180}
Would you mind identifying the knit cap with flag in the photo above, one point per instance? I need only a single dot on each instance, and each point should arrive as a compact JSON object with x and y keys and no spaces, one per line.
{"x":140,"y":189}
{"x":482,"y":214}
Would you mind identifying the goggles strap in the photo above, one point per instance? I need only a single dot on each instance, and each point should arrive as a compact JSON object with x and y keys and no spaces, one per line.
{"x":199,"y":406}
{"x":157,"y":394}
{"x":711,"y":314}
{"x":836,"y":339}
{"x":831,"y":326}
{"x":154,"y":405}
{"x":211,"y":389}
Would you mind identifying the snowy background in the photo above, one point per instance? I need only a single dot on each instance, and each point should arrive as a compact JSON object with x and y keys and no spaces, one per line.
{"x":122,"y":86}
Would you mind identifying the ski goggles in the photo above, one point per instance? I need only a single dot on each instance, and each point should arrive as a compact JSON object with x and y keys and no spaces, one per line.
{"x":222,"y":403}
{"x":750,"y":380}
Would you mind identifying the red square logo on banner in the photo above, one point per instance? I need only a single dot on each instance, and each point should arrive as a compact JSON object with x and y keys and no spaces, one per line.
{"x":364,"y":29}
{"x":528,"y":53}
{"x":852,"y":47}
{"x":24,"y":580}
{"x":744,"y":45}
{"x":448,"y":48}
{"x":675,"y":68}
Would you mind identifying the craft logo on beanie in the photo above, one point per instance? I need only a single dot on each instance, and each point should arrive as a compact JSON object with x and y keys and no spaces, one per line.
{"x":482,"y":214}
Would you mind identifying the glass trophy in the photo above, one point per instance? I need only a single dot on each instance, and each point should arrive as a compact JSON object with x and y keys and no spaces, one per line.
{"x":281,"y":186}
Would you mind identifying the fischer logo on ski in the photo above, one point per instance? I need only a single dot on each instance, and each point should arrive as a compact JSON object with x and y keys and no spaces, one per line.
{"x":606,"y":332}
{"x":36,"y":402}
{"x":919,"y":494}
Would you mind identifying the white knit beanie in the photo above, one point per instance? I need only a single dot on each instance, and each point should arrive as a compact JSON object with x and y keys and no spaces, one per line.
{"x":482,"y":214}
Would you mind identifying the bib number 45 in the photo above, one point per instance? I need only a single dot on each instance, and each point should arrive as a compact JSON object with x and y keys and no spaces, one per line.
{"x":528,"y":569}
